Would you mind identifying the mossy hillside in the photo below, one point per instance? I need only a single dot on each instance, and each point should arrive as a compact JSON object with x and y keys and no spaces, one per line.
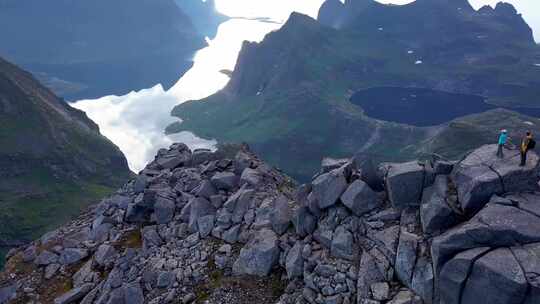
{"x":53,"y":160}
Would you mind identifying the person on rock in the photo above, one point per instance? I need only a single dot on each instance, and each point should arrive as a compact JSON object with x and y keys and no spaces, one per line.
{"x":527,"y":144}
{"x":503,"y":137}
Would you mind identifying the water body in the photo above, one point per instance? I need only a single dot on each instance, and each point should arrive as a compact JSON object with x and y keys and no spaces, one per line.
{"x":136,"y":122}
{"x":417,"y":107}
{"x":423,"y":107}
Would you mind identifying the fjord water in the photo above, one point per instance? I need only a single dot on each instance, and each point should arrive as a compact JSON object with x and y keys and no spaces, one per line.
{"x":423,"y":107}
{"x":136,"y":122}
{"x":417,"y":107}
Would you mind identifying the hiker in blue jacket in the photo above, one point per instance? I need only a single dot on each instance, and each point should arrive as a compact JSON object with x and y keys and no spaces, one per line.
{"x":503,"y":137}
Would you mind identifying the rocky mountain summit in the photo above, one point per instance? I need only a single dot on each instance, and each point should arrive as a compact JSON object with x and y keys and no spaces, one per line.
{"x":224,"y":227}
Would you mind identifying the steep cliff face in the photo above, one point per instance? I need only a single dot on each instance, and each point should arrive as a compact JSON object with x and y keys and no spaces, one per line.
{"x":225,"y":228}
{"x":53,"y":159}
{"x":91,"y":49}
{"x":289,"y":95}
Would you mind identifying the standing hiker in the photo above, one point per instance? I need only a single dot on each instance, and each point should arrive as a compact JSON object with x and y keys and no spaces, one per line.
{"x":528,"y":143}
{"x":503,"y":137}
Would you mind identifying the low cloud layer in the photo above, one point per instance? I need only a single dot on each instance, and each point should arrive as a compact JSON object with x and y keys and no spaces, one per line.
{"x":136,"y":122}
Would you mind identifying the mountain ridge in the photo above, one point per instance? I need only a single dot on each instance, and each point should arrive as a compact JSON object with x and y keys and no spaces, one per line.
{"x":290,"y":94}
{"x":226,"y":228}
{"x":53,"y":160}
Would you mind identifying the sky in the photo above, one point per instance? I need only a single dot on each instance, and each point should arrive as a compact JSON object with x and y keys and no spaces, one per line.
{"x":282,"y":8}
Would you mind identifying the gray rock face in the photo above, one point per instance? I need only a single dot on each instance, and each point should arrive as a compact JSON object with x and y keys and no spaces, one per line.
{"x":455,"y":273}
{"x":359,"y":198}
{"x":105,"y":255}
{"x":370,"y":271}
{"x":206,"y":189}
{"x":304,"y":222}
{"x":443,"y":167}
{"x":496,"y":278}
{"x":259,"y":255}
{"x":480,"y":175}
{"x":164,"y":210}
{"x":251,"y":177}
{"x":498,"y":225}
{"x":72,"y":255}
{"x":342,"y":244}
{"x":238,"y":204}
{"x":133,"y":294}
{"x":179,"y":155}
{"x":74,"y":295}
{"x":328,"y":187}
{"x":8,"y":293}
{"x":225,"y":180}
{"x":201,"y":156}
{"x":281,"y":215}
{"x":294,"y":263}
{"x":199,"y":207}
{"x":406,"y":257}
{"x":435,"y":213}
{"x":45,"y":258}
{"x":423,"y":282}
{"x":404,"y":184}
{"x":205,"y":225}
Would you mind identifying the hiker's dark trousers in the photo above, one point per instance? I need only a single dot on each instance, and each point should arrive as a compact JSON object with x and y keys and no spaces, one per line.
{"x":523,"y":157}
{"x":500,"y":152}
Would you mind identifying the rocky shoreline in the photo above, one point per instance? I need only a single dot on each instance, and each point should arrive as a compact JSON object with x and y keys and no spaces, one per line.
{"x":224,"y":227}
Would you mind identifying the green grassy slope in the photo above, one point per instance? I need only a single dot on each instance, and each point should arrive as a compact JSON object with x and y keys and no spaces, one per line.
{"x":53,"y":160}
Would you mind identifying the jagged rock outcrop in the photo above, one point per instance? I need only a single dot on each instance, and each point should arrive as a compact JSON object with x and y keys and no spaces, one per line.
{"x":358,"y":247}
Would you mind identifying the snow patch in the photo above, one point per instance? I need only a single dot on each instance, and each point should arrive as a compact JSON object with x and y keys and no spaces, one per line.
{"x":417,"y":62}
{"x":530,"y":123}
{"x":380,"y":29}
{"x":410,"y":52}
{"x":537,"y":64}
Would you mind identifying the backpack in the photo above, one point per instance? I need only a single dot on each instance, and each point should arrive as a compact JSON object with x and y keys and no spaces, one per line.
{"x":532,"y":144}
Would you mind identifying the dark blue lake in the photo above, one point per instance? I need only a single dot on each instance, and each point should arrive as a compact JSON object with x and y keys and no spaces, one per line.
{"x":422,"y":107}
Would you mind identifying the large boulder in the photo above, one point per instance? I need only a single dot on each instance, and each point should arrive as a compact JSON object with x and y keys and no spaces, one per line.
{"x":72,"y":255}
{"x":406,"y":257}
{"x":342,"y":245}
{"x":496,"y":277}
{"x":199,"y":207}
{"x":177,"y":155}
{"x":164,"y":209}
{"x":328,"y":187}
{"x":436,"y":213}
{"x":481,"y":174}
{"x":502,"y":223}
{"x":304,"y":222}
{"x":281,"y":215}
{"x":294,"y":262}
{"x":405,"y":183}
{"x":225,"y":180}
{"x":359,"y":198}
{"x":455,"y":273}
{"x":259,"y":255}
{"x":238,"y":204}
